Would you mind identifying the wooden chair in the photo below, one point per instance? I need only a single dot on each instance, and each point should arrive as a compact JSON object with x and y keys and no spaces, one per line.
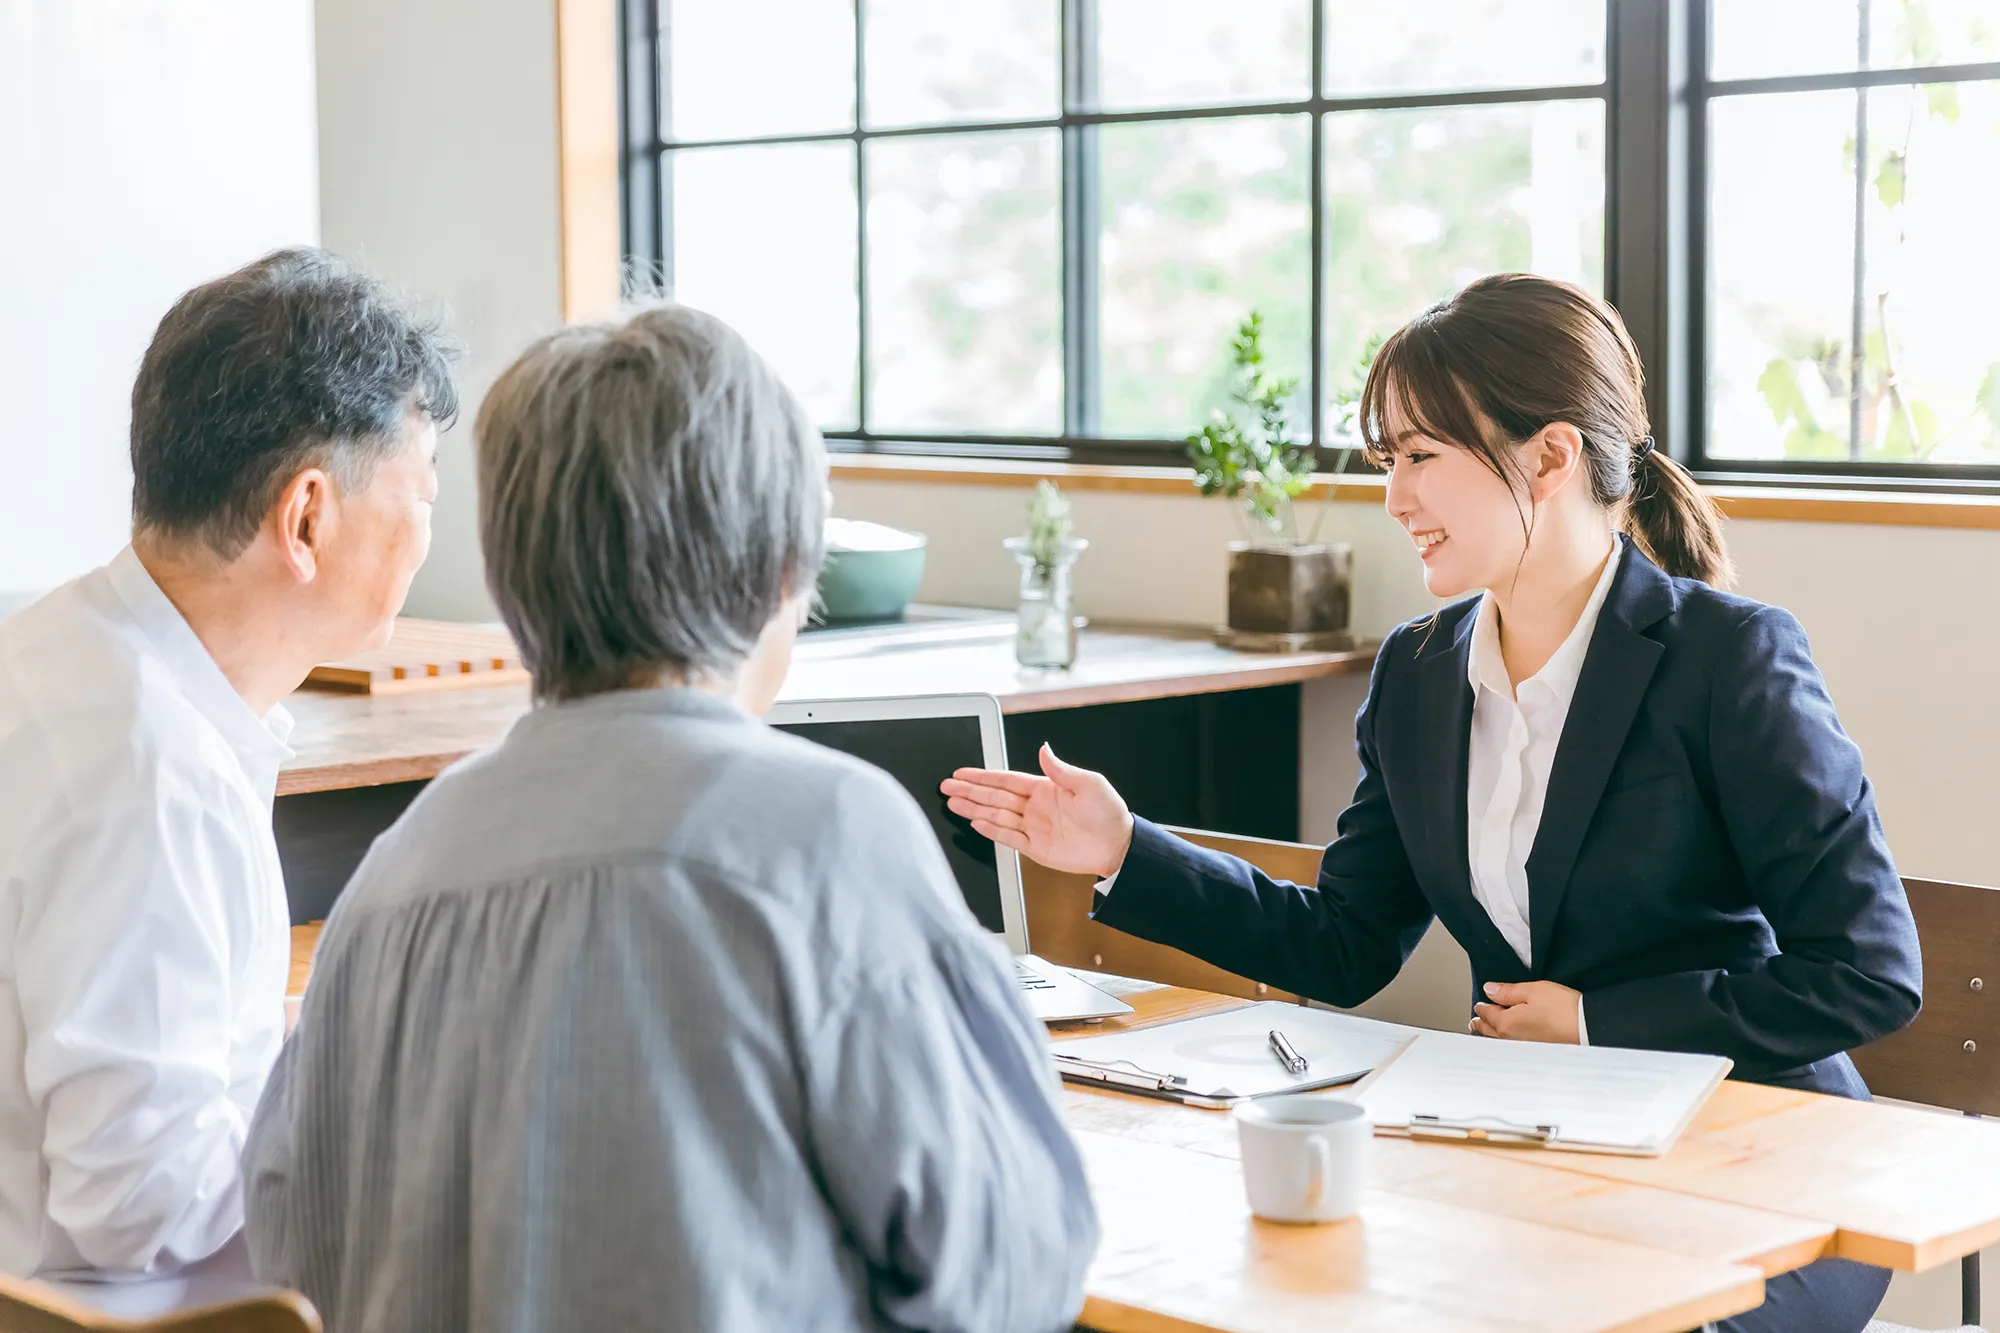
{"x":1949,"y":1057}
{"x":32,"y":1307}
{"x":1060,"y":928}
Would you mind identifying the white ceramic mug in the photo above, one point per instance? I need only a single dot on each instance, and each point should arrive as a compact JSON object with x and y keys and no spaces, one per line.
{"x":1303,"y":1157}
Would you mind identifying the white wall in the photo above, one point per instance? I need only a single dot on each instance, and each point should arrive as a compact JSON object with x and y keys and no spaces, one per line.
{"x":438,"y":169}
{"x":145,"y":146}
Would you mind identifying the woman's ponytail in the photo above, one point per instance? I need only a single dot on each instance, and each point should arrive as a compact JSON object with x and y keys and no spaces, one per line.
{"x":1673,"y":520}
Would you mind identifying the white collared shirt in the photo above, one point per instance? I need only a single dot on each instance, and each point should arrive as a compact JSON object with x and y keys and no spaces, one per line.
{"x":144,"y":935}
{"x":1515,"y":732}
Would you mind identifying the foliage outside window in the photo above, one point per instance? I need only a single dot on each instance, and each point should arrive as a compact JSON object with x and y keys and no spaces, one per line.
{"x":1029,"y":227}
{"x":1854,"y":182}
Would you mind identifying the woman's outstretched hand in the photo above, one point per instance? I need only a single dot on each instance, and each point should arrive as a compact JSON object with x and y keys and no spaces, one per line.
{"x":1073,"y":819}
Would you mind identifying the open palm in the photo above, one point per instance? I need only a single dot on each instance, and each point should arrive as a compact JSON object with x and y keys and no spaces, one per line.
{"x":1072,"y":819}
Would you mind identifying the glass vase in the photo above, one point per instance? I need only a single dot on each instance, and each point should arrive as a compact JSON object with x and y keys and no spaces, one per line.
{"x":1045,"y":633}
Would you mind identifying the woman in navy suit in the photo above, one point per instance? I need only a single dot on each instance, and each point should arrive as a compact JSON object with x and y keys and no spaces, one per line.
{"x":1623,"y":790}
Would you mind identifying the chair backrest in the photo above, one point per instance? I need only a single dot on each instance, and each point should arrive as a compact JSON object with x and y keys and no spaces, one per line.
{"x":33,"y":1307}
{"x":1060,"y":929}
{"x":1949,"y":1057}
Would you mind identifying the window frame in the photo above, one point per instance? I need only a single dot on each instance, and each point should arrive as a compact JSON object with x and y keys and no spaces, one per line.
{"x":1702,"y":93}
{"x":1656,"y":96}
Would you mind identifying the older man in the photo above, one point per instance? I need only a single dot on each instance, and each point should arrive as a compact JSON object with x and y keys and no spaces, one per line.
{"x":651,"y":1016}
{"x":282,"y":459}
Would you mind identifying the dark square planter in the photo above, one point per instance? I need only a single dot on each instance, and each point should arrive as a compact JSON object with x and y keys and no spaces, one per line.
{"x":1290,"y":589}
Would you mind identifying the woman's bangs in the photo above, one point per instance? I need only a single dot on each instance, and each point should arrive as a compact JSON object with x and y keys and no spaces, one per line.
{"x":1412,"y":393}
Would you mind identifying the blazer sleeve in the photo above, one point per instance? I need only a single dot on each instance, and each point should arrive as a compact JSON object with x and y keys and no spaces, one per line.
{"x":1801,"y":819}
{"x":1338,"y":940}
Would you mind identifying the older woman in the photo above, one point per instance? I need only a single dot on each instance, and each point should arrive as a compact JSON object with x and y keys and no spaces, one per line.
{"x":651,"y":1016}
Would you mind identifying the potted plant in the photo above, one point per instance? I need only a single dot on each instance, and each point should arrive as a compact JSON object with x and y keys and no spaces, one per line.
{"x":1288,"y":591}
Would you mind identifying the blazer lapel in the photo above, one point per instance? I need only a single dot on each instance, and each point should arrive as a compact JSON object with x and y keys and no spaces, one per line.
{"x":1446,"y":693}
{"x":1616,"y":672}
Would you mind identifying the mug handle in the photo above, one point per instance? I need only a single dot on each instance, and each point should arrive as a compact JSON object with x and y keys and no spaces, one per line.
{"x":1319,"y":1171}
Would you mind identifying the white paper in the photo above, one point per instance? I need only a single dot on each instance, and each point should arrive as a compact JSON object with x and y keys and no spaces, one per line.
{"x":1594,"y":1095}
{"x":1229,"y":1054}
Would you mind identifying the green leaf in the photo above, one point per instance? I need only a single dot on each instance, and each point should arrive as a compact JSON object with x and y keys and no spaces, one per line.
{"x":1889,"y":180}
{"x":1897,"y":445}
{"x":1942,"y":99}
{"x":1810,"y":442}
{"x":1929,"y":428}
{"x":1916,"y":41}
{"x":1988,"y":396}
{"x":1780,"y":386}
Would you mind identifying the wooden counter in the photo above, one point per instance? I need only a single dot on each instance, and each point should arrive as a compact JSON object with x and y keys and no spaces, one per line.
{"x":344,"y":741}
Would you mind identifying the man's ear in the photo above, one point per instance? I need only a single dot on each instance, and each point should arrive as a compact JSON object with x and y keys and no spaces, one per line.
{"x":1554,"y":456}
{"x":299,"y":522}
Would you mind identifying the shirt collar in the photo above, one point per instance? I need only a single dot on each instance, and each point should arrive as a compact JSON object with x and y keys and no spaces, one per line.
{"x":175,"y":643}
{"x":1486,"y":667}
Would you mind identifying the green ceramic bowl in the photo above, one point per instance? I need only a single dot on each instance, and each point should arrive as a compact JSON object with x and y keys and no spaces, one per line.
{"x":871,"y":584}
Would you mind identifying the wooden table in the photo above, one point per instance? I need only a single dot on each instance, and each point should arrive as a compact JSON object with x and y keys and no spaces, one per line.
{"x":347,"y":740}
{"x":1460,"y":1237}
{"x":1457,"y":1239}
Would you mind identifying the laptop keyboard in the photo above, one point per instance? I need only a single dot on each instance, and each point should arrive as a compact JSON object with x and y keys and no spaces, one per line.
{"x":1031,"y":979}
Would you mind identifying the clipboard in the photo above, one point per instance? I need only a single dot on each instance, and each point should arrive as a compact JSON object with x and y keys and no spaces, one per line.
{"x":1453,"y":1088}
{"x":1218,"y":1060}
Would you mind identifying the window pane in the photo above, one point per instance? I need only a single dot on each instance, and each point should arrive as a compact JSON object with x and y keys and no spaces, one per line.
{"x":1203,"y":220}
{"x":1452,"y":45}
{"x":737,"y":68}
{"x":1155,"y":53}
{"x":1782,"y":298}
{"x":932,"y":63}
{"x":1421,"y":202}
{"x":764,"y":238}
{"x":1760,"y":38}
{"x":965,"y":282}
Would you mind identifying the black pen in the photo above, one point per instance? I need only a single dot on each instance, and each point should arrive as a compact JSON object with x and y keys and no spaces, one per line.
{"x":1293,"y":1062}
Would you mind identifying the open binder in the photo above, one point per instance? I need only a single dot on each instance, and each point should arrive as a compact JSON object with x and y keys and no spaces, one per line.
{"x":1600,"y":1099}
{"x":1220,"y":1059}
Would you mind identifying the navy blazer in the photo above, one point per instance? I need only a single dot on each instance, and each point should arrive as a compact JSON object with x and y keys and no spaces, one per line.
{"x":1709,"y":871}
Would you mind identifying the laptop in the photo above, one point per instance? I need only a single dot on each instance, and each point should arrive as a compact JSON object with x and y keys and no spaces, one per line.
{"x":919,"y":742}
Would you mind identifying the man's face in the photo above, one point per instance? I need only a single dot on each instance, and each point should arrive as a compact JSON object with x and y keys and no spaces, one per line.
{"x":380,"y":540}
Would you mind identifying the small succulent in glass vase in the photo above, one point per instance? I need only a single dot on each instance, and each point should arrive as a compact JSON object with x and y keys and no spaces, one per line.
{"x":1045,"y":633}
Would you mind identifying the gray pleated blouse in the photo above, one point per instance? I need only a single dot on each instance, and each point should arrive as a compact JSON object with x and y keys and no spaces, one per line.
{"x":653,"y":1017}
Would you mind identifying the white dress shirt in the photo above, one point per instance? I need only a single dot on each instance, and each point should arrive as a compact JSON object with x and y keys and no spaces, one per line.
{"x":1515,"y":732}
{"x":144,"y":941}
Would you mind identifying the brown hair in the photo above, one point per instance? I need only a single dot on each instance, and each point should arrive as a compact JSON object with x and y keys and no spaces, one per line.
{"x":1516,"y":352}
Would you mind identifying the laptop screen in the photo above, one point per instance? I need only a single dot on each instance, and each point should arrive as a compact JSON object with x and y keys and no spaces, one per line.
{"x":921,"y":752}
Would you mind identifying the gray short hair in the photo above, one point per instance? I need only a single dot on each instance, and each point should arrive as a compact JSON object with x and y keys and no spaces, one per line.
{"x":650,"y":493}
{"x":298,"y":360}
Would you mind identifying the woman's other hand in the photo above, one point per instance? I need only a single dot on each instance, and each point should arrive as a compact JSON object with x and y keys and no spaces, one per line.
{"x":1072,"y":819}
{"x":1529,"y":1011}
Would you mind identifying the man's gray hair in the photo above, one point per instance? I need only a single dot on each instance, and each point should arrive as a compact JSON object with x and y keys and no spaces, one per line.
{"x":650,"y":493}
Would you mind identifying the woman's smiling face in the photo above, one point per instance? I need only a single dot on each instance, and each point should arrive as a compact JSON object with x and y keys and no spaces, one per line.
{"x":1469,"y":526}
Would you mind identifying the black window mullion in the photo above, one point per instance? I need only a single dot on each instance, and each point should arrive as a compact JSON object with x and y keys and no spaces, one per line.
{"x":1858,"y":311}
{"x":863,"y":364}
{"x":1315,"y":187}
{"x":1694,"y":216}
{"x":1082,"y":216}
{"x":644,"y":218}
{"x":1646,"y":260}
